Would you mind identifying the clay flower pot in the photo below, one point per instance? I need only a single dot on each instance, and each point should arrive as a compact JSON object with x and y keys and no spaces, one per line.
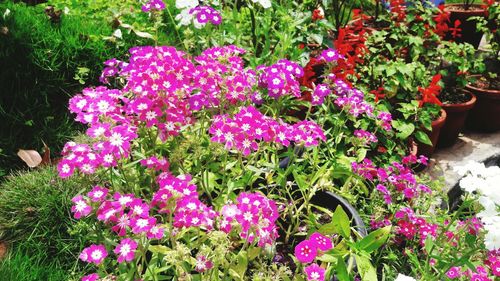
{"x":455,"y":120}
{"x":468,"y":33}
{"x":427,"y":150}
{"x":485,"y":116}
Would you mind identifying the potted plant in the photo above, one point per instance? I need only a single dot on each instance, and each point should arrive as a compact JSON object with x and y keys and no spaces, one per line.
{"x":457,"y":61}
{"x":463,"y":13}
{"x":486,"y":114}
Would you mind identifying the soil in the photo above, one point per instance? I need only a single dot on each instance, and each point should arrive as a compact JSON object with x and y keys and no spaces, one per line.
{"x":489,"y":84}
{"x":454,"y":96}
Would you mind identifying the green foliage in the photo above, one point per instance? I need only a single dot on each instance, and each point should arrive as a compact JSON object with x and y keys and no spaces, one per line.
{"x":35,"y":215}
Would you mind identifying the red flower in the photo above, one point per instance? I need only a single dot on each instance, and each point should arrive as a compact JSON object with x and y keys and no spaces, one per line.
{"x":318,"y":14}
{"x":455,"y":31}
{"x":429,"y":94}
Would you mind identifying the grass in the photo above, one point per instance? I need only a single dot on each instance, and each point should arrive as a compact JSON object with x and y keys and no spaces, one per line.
{"x":19,"y":266}
{"x":35,"y":218}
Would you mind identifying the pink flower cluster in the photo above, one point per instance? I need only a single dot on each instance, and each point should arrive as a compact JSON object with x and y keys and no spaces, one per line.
{"x":320,"y":92}
{"x":254,"y":215}
{"x":179,"y":195}
{"x":395,"y":178}
{"x":124,"y":212}
{"x":96,"y":254}
{"x":330,"y":55}
{"x":205,"y":14}
{"x":163,"y":87}
{"x":248,"y":127}
{"x":281,"y":78}
{"x":157,"y":5}
{"x":409,"y":225}
{"x":365,"y":136}
{"x":481,"y":273}
{"x":220,"y":75}
{"x":307,"y":250}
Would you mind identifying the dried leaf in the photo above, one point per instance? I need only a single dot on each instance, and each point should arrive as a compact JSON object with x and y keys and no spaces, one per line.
{"x":46,"y":155}
{"x":143,"y":34}
{"x":30,"y":157}
{"x":3,"y":249}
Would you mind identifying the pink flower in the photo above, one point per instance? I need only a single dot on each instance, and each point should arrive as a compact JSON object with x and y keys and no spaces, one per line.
{"x":306,"y":251}
{"x":203,"y":264}
{"x":90,"y":277}
{"x":126,"y":250}
{"x":314,"y":272}
{"x":94,"y":254}
{"x":98,"y":193}
{"x":142,"y":224}
{"x":322,"y":242}
{"x":155,"y":232}
{"x":81,"y":208}
{"x":454,"y":272}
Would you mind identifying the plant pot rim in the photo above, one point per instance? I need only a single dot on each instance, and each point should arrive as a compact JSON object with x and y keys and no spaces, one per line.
{"x":491,"y":93}
{"x":464,"y":106}
{"x":438,"y":123}
{"x":478,"y":11}
{"x":357,"y":221}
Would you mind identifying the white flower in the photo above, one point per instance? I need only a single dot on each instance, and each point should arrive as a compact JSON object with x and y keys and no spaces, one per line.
{"x":492,"y":237}
{"x":185,"y":18}
{"x":117,"y":33}
{"x":181,"y":4}
{"x":402,"y":277}
{"x":265,"y":3}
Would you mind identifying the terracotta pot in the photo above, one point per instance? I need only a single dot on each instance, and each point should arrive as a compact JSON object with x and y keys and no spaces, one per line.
{"x":455,"y":120}
{"x":427,"y":150}
{"x":469,"y":33}
{"x":485,"y":116}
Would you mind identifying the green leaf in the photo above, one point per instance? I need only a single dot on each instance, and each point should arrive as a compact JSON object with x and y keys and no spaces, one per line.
{"x":342,"y":222}
{"x":253,"y":253}
{"x":374,"y":240}
{"x":238,"y":269}
{"x":404,"y":129}
{"x":159,"y":249}
{"x":327,"y":258}
{"x":342,"y":273}
{"x":365,"y":268}
{"x":299,"y":180}
{"x":423,"y":137}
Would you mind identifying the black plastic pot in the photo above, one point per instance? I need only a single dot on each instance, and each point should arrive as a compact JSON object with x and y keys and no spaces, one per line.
{"x":331,"y":201}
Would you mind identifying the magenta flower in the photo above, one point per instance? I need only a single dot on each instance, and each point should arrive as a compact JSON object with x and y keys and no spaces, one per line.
{"x":322,"y":242}
{"x":330,"y":55}
{"x":81,"y":208}
{"x":90,"y":277}
{"x":98,"y":193}
{"x":306,"y":251}
{"x":156,"y":232}
{"x":140,"y":225}
{"x":126,"y":250}
{"x":157,"y":5}
{"x":203,"y":264}
{"x":454,"y":272}
{"x":94,"y":254}
{"x":314,"y":272}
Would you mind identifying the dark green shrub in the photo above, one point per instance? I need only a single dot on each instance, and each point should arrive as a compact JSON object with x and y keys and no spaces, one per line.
{"x":35,"y":216}
{"x":39,"y":60}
